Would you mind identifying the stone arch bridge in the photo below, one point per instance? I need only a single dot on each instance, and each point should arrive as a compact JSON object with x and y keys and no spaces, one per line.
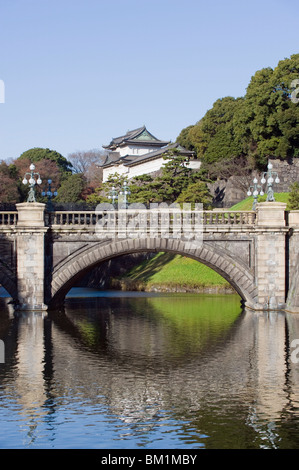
{"x":42,"y":254}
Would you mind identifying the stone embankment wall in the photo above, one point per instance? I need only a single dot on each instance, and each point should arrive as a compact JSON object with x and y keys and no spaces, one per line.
{"x":228,"y":192}
{"x":288,"y":171}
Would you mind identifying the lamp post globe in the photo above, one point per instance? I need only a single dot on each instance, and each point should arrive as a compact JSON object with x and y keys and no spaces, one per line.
{"x":32,"y":182}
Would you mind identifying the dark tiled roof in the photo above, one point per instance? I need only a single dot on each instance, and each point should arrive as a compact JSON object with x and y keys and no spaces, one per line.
{"x":132,"y":160}
{"x":112,"y":157}
{"x":130,"y":136}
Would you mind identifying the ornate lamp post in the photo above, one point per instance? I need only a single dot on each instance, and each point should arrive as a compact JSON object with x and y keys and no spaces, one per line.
{"x":32,"y":181}
{"x":255,"y":190}
{"x":269,"y":178}
{"x":124,"y":193}
{"x":113,"y":195}
{"x":50,"y":194}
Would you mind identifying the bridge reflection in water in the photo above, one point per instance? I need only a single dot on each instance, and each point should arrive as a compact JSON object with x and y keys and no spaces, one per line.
{"x":149,"y":371}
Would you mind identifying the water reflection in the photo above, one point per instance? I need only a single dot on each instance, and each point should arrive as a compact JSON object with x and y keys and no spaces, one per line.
{"x":160,"y":328}
{"x":149,"y":371}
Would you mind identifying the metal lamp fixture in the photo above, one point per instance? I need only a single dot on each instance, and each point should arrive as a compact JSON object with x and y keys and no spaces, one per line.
{"x":269,"y":178}
{"x":125,"y":192}
{"x":256,"y":189}
{"x":50,"y":194}
{"x":113,"y":195}
{"x":32,"y":181}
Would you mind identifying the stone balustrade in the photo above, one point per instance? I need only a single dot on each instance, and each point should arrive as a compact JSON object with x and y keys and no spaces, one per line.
{"x":92,"y":218}
{"x":207,"y":218}
{"x":8,"y":218}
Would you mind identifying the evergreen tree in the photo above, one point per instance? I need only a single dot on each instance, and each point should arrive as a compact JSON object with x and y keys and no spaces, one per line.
{"x":37,"y":154}
{"x":175,"y":176}
{"x":71,"y":189}
{"x":263,"y":123}
{"x":293,"y":201}
{"x":196,"y":192}
{"x":101,"y":193}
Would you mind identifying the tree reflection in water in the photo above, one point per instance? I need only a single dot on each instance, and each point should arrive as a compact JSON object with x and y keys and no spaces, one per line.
{"x":151,"y":371}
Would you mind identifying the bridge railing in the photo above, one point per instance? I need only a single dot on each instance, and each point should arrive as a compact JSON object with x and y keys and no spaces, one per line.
{"x":206,"y":218}
{"x":92,"y":218}
{"x":8,"y":218}
{"x":67,"y":218}
{"x":229,"y":217}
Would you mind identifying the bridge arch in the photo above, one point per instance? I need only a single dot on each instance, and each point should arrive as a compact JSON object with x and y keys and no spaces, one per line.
{"x":234,"y":271}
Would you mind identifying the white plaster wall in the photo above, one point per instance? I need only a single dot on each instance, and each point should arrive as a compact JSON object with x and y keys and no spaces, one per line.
{"x":131,"y":172}
{"x":135,"y":150}
{"x":194,"y":164}
{"x":146,"y":167}
{"x":143,"y":168}
{"x":120,"y":169}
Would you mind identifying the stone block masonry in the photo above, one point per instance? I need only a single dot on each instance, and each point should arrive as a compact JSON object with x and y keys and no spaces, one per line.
{"x":270,"y":255}
{"x":271,"y":270}
{"x":258,"y":255}
{"x":31,"y":256}
{"x":227,"y":192}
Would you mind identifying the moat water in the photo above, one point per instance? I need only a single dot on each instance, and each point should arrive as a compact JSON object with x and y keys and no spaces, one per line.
{"x":117,"y":370}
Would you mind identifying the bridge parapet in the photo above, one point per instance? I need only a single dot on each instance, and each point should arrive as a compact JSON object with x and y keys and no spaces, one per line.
{"x":8,"y":218}
{"x":151,"y":217}
{"x":215,"y":217}
{"x":293,"y":219}
{"x":271,"y":214}
{"x":229,"y":217}
{"x":91,"y":218}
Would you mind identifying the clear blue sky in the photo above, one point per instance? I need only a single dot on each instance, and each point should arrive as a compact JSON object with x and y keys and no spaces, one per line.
{"x":79,"y":72}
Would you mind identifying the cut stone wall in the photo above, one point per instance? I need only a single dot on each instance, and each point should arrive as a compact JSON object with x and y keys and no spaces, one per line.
{"x":31,"y":255}
{"x":30,"y":249}
{"x":288,"y":172}
{"x":228,"y":192}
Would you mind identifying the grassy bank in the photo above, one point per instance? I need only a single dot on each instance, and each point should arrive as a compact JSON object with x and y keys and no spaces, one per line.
{"x":246,"y":204}
{"x":166,"y":272}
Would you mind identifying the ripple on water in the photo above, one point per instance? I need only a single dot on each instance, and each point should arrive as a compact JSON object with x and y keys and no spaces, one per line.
{"x":149,"y":373}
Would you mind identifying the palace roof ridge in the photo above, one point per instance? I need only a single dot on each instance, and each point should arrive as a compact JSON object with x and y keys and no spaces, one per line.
{"x":131,"y":135}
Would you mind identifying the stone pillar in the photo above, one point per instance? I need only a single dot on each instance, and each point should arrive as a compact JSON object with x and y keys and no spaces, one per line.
{"x":31,"y":255}
{"x":294,"y":219}
{"x":271,"y":233}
